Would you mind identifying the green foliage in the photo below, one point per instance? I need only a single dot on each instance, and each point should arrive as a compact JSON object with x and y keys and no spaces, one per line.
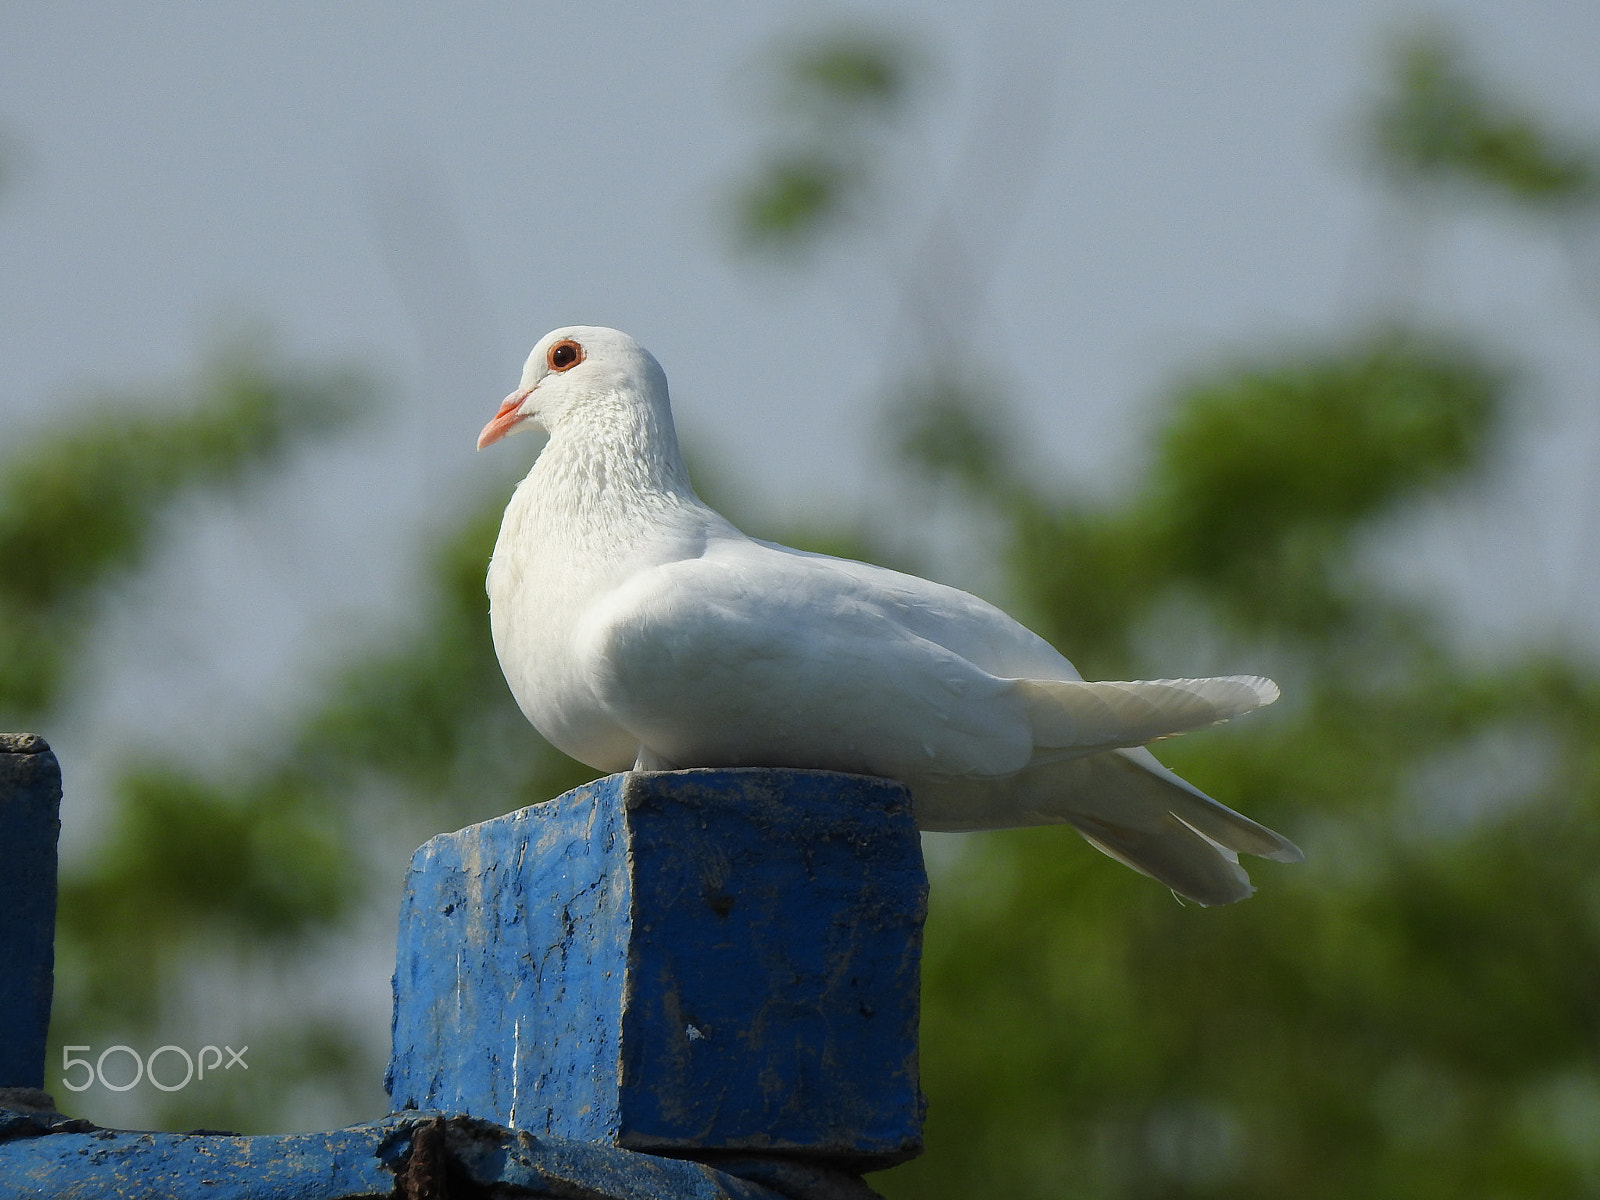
{"x":189,"y":866}
{"x":794,"y":198}
{"x":1379,"y":1022}
{"x":852,"y":71}
{"x":947,"y":432}
{"x":81,"y":504}
{"x":1409,"y":1013}
{"x":1262,"y":477}
{"x":1085,"y":1035}
{"x":309,"y":1066}
{"x":1440,"y":122}
{"x":842,"y":92}
{"x":429,"y":715}
{"x":1249,"y":457}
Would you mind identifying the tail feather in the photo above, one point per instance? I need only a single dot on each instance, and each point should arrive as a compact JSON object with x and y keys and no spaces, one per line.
{"x":1215,"y":821}
{"x":1187,"y":862}
{"x":1124,"y":803}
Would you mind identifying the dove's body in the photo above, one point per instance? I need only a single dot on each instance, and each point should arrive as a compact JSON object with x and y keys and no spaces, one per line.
{"x":636,"y":626}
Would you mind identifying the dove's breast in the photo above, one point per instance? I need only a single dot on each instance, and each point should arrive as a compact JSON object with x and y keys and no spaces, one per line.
{"x":553,"y":567}
{"x":530,"y":619}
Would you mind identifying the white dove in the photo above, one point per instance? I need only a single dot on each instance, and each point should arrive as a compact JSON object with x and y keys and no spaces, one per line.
{"x":638,"y":628}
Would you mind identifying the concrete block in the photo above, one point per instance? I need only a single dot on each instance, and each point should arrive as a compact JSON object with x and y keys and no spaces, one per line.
{"x":30,"y":811}
{"x":675,"y":962}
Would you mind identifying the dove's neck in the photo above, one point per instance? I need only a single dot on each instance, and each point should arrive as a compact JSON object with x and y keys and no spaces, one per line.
{"x":603,"y":491}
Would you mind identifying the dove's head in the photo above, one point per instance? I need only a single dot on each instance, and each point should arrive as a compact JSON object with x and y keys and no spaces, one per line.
{"x":578,"y":374}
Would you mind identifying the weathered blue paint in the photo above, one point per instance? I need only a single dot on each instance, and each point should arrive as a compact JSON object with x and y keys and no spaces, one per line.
{"x":716,"y":964}
{"x":689,"y":961}
{"x":30,"y":800}
{"x":44,"y":1157}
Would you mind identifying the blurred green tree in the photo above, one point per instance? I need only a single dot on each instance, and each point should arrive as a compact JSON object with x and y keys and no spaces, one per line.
{"x":81,"y":502}
{"x":838,"y":94}
{"x":84,"y":505}
{"x":1410,"y":1013}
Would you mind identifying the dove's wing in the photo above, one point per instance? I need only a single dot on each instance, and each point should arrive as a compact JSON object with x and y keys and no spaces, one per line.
{"x":1075,"y":716}
{"x":754,"y":655}
{"x":748,"y":656}
{"x":963,"y":623}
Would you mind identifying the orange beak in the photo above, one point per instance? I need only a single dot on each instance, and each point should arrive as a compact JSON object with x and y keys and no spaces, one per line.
{"x":505,"y":420}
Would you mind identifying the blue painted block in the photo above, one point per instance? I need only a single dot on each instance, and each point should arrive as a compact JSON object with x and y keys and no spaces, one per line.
{"x":30,"y":807}
{"x":686,"y":961}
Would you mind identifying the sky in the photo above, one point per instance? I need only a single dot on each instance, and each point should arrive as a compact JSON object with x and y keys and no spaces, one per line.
{"x":423,"y":190}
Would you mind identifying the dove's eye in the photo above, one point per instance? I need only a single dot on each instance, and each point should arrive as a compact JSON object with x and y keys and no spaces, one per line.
{"x":564,"y":354}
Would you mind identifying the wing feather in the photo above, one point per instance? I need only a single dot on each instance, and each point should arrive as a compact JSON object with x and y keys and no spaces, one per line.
{"x":1079,"y":716}
{"x":756,"y":663}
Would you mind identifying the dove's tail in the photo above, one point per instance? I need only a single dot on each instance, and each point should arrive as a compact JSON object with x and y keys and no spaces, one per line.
{"x":1126,"y":804}
{"x":1122,"y":800}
